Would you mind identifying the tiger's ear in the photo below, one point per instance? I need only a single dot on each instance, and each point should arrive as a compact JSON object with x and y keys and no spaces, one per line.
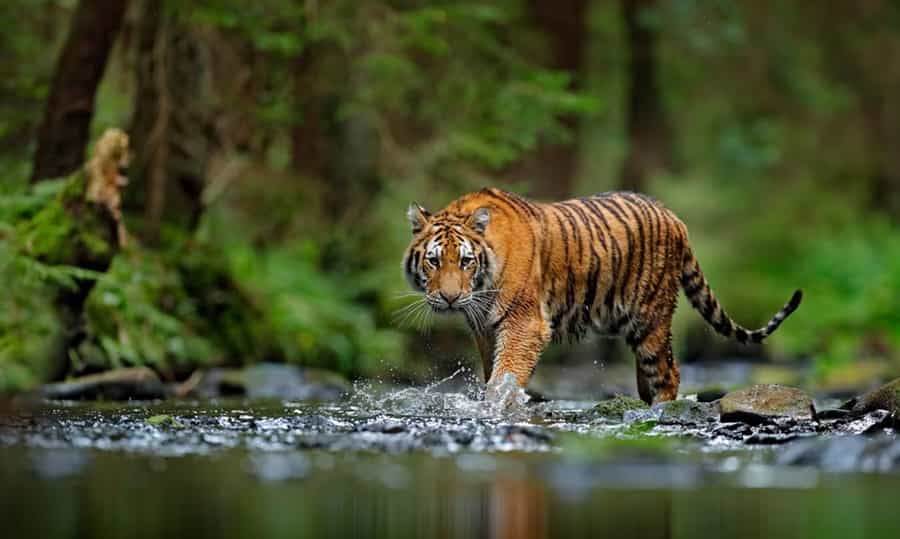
{"x":479,"y":220}
{"x":418,"y":217}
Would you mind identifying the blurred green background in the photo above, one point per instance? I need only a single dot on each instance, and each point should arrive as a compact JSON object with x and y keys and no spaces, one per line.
{"x":277,"y":144}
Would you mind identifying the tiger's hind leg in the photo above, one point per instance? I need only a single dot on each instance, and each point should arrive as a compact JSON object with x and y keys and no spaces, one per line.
{"x":657,"y":373}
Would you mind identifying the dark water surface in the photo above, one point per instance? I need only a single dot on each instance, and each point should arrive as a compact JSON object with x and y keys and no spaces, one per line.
{"x":416,"y":463}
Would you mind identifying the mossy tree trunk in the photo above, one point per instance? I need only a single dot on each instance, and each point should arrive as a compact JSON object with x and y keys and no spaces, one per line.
{"x":81,"y":228}
{"x":64,"y":132}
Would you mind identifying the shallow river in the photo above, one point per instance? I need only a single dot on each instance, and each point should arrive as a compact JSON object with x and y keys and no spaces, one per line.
{"x":422,"y":463}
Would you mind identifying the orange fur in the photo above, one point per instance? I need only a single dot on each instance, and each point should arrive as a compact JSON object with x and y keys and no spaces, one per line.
{"x":524,"y":273}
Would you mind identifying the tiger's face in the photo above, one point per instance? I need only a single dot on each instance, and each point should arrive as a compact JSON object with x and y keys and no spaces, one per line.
{"x":449,"y":260}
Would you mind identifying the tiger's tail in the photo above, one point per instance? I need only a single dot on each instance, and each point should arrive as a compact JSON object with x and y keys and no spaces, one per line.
{"x":704,"y":301}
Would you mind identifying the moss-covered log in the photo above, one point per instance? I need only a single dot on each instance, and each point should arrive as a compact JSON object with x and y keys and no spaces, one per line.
{"x":80,"y":228}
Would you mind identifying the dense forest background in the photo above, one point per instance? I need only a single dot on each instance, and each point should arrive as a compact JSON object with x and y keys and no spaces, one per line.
{"x":276,"y":145}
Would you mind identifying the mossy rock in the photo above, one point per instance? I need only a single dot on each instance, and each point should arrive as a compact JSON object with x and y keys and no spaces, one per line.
{"x":614,"y":409}
{"x":71,"y":230}
{"x":687,"y":412}
{"x":886,"y":397}
{"x":164,"y":421}
{"x":764,"y":402}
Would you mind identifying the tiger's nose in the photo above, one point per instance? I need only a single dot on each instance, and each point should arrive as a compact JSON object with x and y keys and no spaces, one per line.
{"x":450,"y":298}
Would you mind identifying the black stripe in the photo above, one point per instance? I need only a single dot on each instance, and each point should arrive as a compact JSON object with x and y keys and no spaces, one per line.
{"x":521,"y":202}
{"x":710,"y":306}
{"x":590,"y":291}
{"x":651,"y":298}
{"x":641,"y":268}
{"x":512,"y":201}
{"x":570,"y":292}
{"x":612,"y":206}
{"x":692,"y":290}
{"x":649,"y":361}
{"x":567,"y":213}
{"x":571,"y":281}
{"x":613,"y":250}
{"x":723,"y":325}
{"x":409,"y":263}
{"x":600,"y":220}
{"x":638,"y":335}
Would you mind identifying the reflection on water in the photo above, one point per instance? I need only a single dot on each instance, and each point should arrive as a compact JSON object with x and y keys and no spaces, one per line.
{"x":290,"y":494}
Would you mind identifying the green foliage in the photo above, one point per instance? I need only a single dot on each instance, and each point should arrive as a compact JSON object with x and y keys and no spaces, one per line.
{"x":852,"y":282}
{"x":140,"y":314}
{"x":317,"y":293}
{"x":316,"y":316}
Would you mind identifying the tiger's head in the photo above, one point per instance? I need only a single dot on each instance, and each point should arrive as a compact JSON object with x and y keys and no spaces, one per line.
{"x":449,"y":260}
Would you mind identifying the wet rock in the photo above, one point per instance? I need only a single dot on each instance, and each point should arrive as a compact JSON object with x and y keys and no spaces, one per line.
{"x":763,"y":403}
{"x":514,"y":432}
{"x":831,"y":413}
{"x":687,"y":412}
{"x":886,"y":397}
{"x":845,"y":454}
{"x":710,"y":394}
{"x":870,"y":423}
{"x":642,"y":415}
{"x":137,"y":383}
{"x":384,"y":427}
{"x":765,"y":438}
{"x":614,"y":409}
{"x":275,"y":381}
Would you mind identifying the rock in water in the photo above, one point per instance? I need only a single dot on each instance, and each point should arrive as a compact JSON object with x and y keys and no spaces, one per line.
{"x":275,"y":381}
{"x":614,"y":409}
{"x":687,"y":412}
{"x":138,"y":383}
{"x":763,"y":403}
{"x":886,"y":397}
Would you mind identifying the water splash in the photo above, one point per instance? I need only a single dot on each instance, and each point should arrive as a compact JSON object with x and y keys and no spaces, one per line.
{"x":506,"y":397}
{"x":504,"y":400}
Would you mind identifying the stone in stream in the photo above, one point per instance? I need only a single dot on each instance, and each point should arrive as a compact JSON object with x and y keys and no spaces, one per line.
{"x":710,"y":394}
{"x":763,"y":403}
{"x":687,"y":412}
{"x":886,"y":397}
{"x":274,"y":381}
{"x":614,"y":409}
{"x":137,"y":383}
{"x":845,"y":454}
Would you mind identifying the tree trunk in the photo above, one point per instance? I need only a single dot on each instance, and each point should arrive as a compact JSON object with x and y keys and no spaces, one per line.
{"x":64,"y":132}
{"x":649,"y":146}
{"x":172,"y":122}
{"x":340,"y":152}
{"x":553,"y":166}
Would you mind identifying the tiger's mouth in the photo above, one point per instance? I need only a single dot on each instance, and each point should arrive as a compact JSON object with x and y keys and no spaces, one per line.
{"x":444,"y":303}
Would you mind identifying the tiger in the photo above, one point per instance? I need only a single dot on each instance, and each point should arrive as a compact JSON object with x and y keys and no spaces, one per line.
{"x":525,"y":273}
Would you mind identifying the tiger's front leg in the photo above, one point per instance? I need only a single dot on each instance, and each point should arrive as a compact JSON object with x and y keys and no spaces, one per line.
{"x":485,"y":343}
{"x":518,"y":343}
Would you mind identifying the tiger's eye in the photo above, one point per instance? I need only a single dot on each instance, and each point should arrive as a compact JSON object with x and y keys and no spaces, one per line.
{"x":466,"y":261}
{"x":433,"y":260}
